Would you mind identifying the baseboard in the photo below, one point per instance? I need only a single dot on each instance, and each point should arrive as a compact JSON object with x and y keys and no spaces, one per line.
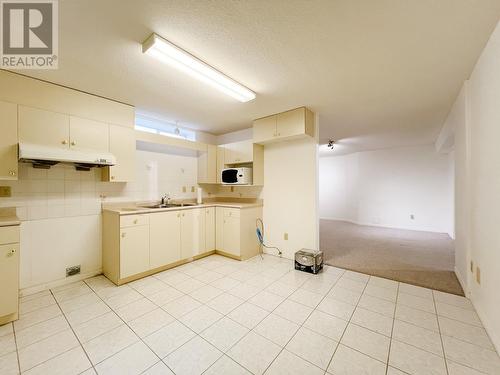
{"x":383,"y":225}
{"x":462,"y":282}
{"x":495,"y":339}
{"x":53,"y":284}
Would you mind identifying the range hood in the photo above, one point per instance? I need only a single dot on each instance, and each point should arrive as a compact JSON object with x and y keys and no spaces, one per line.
{"x":45,"y":156}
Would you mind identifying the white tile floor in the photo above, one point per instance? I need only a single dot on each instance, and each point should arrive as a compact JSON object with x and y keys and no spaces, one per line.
{"x":219,"y":316}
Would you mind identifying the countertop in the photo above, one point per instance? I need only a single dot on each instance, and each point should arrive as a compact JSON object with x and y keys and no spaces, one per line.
{"x":8,"y":217}
{"x":134,"y":208}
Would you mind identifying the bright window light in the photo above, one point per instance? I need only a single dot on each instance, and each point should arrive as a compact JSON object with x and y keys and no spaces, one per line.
{"x":151,"y":125}
{"x":169,"y":53}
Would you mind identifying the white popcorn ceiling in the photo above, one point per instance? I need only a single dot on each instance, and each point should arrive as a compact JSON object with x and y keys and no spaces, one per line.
{"x":380,"y":73}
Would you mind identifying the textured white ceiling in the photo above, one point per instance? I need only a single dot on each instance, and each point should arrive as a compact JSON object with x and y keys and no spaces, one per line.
{"x":379,"y":72}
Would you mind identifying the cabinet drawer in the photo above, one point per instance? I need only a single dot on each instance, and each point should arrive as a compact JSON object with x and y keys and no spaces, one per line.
{"x":231,"y":212}
{"x":9,"y":234}
{"x":133,"y":220}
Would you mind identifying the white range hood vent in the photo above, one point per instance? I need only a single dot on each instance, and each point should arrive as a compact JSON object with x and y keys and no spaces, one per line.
{"x":46,"y":156}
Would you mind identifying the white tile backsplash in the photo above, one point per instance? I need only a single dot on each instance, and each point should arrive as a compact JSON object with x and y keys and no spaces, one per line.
{"x":62,"y":191}
{"x":61,"y":210}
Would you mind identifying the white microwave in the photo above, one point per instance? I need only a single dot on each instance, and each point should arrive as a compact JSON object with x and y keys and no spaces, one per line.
{"x":237,"y":176}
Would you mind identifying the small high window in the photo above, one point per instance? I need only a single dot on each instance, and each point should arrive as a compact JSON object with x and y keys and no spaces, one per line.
{"x":151,"y":125}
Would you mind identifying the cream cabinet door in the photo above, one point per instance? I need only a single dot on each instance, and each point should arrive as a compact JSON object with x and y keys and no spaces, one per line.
{"x":134,"y":250}
{"x":207,"y":165}
{"x":87,"y":134}
{"x":220,"y":163}
{"x":188,"y":236}
{"x":9,"y":278}
{"x":238,"y":152}
{"x":219,"y":228}
{"x":231,"y":235}
{"x":164,"y":238}
{"x":122,"y":146}
{"x":43,"y":127}
{"x":264,"y":129}
{"x":209,"y":228}
{"x":8,"y":141}
{"x":291,"y":123}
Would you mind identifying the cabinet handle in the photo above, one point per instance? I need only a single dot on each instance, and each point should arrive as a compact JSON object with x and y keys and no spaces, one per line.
{"x":178,"y":215}
{"x":12,"y":173}
{"x":135,"y":221}
{"x":123,"y":234}
{"x":11,"y":252}
{"x":279,"y":134}
{"x":183,"y":215}
{"x":64,"y":142}
{"x":112,"y":177}
{"x":73,"y":143}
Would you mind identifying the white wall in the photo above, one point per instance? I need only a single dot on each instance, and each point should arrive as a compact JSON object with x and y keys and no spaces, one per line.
{"x":385,"y":187}
{"x":483,"y":181}
{"x":290,"y":195}
{"x":290,"y":192}
{"x":60,"y":209}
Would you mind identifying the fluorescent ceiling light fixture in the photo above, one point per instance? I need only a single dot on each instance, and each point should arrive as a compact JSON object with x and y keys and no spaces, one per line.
{"x":169,"y":53}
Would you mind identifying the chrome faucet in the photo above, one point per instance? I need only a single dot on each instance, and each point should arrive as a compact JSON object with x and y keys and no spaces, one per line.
{"x":165,"y":199}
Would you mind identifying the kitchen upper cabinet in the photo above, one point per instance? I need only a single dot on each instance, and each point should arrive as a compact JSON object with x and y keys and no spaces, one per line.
{"x":293,"y":124}
{"x":238,"y":152}
{"x":134,"y":250}
{"x":122,"y":146}
{"x":8,"y":141}
{"x":209,"y":228}
{"x":165,"y":238}
{"x":264,"y":129}
{"x":43,"y":127}
{"x":207,"y":165}
{"x":87,"y":134}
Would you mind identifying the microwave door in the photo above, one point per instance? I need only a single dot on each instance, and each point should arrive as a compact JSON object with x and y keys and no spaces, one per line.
{"x":230,"y":176}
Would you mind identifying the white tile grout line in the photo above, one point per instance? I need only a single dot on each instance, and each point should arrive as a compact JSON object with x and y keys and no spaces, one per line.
{"x":440,"y":336}
{"x":392,"y":329}
{"x":247,"y":300}
{"x":125,"y":323}
{"x":301,"y":325}
{"x":17,"y":350}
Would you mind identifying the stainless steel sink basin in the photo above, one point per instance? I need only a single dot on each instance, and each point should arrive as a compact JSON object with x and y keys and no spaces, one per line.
{"x":169,"y":205}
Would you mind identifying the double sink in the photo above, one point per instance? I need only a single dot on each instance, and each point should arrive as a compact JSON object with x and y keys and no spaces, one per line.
{"x":158,"y":206}
{"x":169,"y":205}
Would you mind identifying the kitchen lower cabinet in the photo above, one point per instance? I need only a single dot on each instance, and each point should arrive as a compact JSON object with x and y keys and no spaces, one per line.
{"x":9,"y":273}
{"x":134,"y":250}
{"x":137,"y":245}
{"x":209,"y":228}
{"x":193,"y":232}
{"x":235,"y":231}
{"x":164,"y":238}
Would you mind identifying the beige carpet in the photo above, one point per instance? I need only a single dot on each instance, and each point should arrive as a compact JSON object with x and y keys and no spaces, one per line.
{"x":419,"y":258}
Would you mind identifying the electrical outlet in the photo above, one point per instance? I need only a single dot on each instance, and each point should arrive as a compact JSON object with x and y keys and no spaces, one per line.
{"x":471,"y":266}
{"x":285,"y":236}
{"x":71,"y":271}
{"x":184,"y":189}
{"x":5,"y":191}
{"x":478,"y":275}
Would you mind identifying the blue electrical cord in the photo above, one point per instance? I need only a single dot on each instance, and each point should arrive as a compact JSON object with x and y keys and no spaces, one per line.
{"x":260,"y":236}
